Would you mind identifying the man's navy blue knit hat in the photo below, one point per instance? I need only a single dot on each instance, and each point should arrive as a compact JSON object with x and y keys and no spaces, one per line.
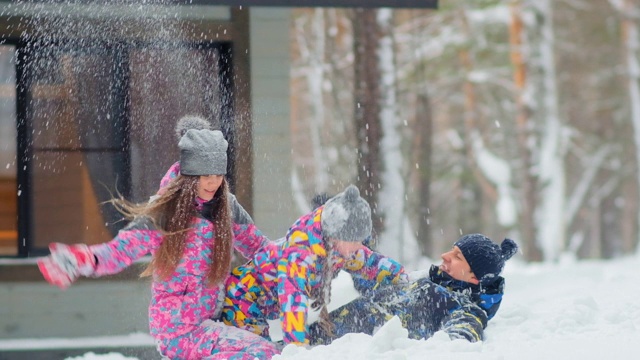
{"x":485,"y":257}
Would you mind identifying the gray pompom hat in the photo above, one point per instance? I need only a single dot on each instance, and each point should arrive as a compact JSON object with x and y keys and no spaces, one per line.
{"x":347,"y":217}
{"x":189,"y":122}
{"x":203,"y":152}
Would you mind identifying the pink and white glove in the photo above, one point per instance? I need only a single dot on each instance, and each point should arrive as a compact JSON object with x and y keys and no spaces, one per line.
{"x":66,"y":263}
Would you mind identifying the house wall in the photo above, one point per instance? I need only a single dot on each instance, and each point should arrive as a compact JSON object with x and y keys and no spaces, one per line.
{"x":31,"y":308}
{"x":272,"y":193}
{"x":89,"y":308}
{"x":118,"y":305}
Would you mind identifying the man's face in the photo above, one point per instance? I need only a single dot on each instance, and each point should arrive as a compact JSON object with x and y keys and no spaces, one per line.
{"x":454,"y":264}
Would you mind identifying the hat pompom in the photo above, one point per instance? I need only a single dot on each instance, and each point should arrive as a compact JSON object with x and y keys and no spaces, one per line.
{"x":509,"y":248}
{"x":189,"y":122}
{"x":351,"y":193}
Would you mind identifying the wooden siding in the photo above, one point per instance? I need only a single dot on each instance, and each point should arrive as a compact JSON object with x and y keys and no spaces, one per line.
{"x":272,"y":199}
{"x":89,"y":308}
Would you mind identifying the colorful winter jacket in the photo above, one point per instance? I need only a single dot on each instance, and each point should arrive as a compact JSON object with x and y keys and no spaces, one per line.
{"x":182,"y":302}
{"x":437,"y":302}
{"x":288,"y":270}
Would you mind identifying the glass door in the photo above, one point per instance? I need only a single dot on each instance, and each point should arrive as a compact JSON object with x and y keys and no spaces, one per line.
{"x":74,"y":147}
{"x":8,"y":165}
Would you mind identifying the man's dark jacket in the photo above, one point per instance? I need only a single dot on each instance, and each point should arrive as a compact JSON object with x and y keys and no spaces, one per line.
{"x":426,"y":305}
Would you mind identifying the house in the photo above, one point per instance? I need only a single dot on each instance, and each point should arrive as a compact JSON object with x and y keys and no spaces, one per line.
{"x":89,"y":96}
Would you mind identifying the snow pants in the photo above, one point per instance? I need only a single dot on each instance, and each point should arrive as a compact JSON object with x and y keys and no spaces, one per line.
{"x":247,"y":304}
{"x":422,"y":306}
{"x":215,"y":340}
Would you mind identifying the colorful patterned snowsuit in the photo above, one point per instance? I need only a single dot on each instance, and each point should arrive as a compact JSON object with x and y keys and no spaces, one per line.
{"x":181,"y":305}
{"x":278,"y":280}
{"x":424,"y":306}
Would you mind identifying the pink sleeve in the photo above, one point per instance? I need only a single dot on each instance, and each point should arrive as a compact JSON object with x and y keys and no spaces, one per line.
{"x":127,"y":247}
{"x":171,"y":174}
{"x":247,"y":239}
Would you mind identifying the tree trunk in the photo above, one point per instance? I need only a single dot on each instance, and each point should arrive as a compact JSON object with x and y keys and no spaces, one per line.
{"x":628,"y":223}
{"x":631,"y":45}
{"x":366,"y":38}
{"x":421,"y":154}
{"x":316,"y":100}
{"x":392,"y":195}
{"x":549,"y":217}
{"x":528,"y":181}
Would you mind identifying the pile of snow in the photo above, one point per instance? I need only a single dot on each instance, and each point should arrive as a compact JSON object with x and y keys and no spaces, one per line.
{"x":109,"y":356}
{"x":572,"y":310}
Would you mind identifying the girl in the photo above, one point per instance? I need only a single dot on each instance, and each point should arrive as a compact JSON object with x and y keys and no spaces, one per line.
{"x":191,"y":251}
{"x":283,"y":277}
{"x":240,"y":216}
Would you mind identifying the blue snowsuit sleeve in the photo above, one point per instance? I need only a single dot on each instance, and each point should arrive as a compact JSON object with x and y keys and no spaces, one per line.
{"x":467,"y":322}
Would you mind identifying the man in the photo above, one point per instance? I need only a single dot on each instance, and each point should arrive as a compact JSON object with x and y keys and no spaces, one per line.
{"x":458,"y":297}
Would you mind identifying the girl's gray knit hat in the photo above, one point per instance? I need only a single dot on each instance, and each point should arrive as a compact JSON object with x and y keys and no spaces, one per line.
{"x":347,"y":216}
{"x":189,"y":122}
{"x":203,"y":152}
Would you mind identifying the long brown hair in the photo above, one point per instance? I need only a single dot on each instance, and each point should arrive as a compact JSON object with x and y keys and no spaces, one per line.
{"x":321,"y":295}
{"x":172,"y":212}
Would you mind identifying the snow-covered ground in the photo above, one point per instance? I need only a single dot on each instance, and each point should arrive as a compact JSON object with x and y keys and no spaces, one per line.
{"x":570,"y":310}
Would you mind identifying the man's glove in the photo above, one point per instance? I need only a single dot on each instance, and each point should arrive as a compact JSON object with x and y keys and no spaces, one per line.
{"x":66,"y":263}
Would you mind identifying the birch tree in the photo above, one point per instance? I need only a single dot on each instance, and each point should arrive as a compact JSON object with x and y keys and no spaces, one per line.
{"x":525,"y":136}
{"x":549,"y":215}
{"x":392,"y":195}
{"x":315,"y":78}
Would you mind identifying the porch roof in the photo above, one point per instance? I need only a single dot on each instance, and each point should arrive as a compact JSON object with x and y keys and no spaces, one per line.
{"x":418,"y":4}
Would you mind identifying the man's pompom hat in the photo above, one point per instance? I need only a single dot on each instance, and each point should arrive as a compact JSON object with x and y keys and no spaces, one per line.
{"x":485,"y":257}
{"x":203,"y":152}
{"x":347,"y":216}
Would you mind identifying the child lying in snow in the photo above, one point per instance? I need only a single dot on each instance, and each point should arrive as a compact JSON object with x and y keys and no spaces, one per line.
{"x":458,"y":297}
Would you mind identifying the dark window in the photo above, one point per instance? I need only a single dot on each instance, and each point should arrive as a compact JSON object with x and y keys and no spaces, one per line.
{"x":97,"y":121}
{"x":8,"y":190}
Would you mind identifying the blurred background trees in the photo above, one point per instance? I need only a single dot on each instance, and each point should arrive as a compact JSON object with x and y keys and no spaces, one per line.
{"x":512,"y":118}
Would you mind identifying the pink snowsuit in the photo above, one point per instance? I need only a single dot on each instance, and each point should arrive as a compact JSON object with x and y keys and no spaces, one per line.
{"x":182,"y":304}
